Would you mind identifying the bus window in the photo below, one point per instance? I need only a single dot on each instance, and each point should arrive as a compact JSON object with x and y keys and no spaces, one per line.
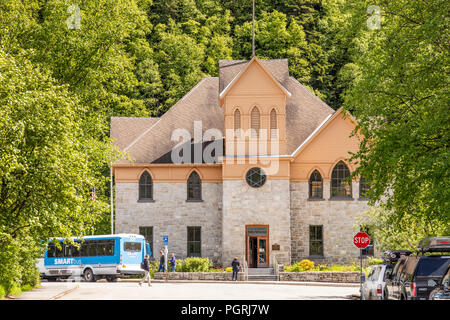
{"x":110,"y":247}
{"x":84,"y":249}
{"x":51,"y":251}
{"x":132,"y":246}
{"x":60,"y":252}
{"x":92,"y":251}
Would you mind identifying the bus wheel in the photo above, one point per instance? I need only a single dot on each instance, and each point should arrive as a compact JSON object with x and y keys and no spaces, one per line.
{"x":111,"y":278}
{"x":51,"y":279}
{"x":88,"y":275}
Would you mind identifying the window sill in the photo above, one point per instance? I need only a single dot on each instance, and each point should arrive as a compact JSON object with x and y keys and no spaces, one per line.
{"x":316,"y":257}
{"x":363,"y":199}
{"x":341,"y":199}
{"x":316,"y":199}
{"x":145,"y":200}
{"x":194,"y":200}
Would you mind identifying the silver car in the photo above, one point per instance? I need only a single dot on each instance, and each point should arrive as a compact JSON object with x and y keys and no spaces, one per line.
{"x":374,"y":288}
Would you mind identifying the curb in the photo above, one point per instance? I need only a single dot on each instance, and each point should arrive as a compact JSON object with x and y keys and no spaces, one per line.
{"x":290,"y":283}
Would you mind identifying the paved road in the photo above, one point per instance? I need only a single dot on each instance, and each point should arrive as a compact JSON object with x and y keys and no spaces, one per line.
{"x":185,"y":291}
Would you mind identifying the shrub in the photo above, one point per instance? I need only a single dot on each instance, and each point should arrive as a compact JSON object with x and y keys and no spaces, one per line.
{"x":229,"y":269}
{"x":374,"y":261}
{"x":304,"y":265}
{"x":196,"y":265}
{"x":2,"y":292}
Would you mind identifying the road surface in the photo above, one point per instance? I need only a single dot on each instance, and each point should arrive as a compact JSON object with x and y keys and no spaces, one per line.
{"x":184,"y":291}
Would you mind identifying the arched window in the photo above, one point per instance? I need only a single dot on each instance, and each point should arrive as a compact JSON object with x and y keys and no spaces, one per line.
{"x":237,"y":121}
{"x":341,"y":186}
{"x":363,"y":188}
{"x":273,"y":123}
{"x":145,"y":187}
{"x":255,"y":122}
{"x":315,"y":185}
{"x":194,"y":187}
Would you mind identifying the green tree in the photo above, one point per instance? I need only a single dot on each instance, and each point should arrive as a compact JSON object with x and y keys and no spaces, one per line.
{"x":400,"y":99}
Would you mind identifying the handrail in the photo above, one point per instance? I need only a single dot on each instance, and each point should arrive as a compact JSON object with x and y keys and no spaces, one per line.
{"x":275,"y":266}
{"x":245,"y":270}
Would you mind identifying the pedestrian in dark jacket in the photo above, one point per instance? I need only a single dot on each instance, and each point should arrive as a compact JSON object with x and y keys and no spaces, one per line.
{"x":146,"y":271}
{"x":162,"y":262}
{"x":173,"y":262}
{"x":235,"y":265}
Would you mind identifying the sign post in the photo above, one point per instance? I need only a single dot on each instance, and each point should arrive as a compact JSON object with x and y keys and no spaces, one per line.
{"x":361,"y":240}
{"x":166,"y":253}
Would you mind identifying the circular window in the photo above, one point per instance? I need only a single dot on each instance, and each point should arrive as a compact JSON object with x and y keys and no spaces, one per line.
{"x":255,"y":177}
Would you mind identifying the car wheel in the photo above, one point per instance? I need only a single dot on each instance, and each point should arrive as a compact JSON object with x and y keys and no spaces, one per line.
{"x":88,"y":275}
{"x":111,"y":278}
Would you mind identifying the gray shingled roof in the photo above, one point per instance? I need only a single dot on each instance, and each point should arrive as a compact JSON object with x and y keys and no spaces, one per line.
{"x":147,"y":139}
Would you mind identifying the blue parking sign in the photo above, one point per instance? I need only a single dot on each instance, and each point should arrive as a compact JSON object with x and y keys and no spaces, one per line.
{"x":166,"y":240}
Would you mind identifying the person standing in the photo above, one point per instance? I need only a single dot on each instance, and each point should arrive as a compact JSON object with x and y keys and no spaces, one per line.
{"x":162,"y":261}
{"x":146,"y":267}
{"x":173,"y":262}
{"x":235,"y":265}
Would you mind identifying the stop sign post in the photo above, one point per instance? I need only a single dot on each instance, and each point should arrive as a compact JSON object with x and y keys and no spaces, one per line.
{"x":361,"y":240}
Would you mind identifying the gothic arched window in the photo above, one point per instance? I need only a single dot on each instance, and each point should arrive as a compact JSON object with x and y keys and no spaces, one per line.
{"x":273,"y":123}
{"x":255,"y":122}
{"x":194,"y":187}
{"x":341,"y":186}
{"x":145,"y":186}
{"x":315,"y":185}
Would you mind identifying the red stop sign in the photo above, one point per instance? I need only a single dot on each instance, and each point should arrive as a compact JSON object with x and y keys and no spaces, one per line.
{"x":361,"y":240}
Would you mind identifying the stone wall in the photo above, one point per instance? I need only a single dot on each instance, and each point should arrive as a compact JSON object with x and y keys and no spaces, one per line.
{"x":244,"y":205}
{"x":170,"y":214}
{"x":348,"y":277}
{"x":216,"y":276}
{"x":337,"y":218}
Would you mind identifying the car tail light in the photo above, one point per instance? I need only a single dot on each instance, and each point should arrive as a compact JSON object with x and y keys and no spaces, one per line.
{"x":379,"y":289}
{"x":413,"y":289}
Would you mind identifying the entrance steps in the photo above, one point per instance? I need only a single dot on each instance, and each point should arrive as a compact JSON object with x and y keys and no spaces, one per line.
{"x":262,"y":274}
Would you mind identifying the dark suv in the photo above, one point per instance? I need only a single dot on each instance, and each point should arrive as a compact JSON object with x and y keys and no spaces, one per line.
{"x":414,"y":277}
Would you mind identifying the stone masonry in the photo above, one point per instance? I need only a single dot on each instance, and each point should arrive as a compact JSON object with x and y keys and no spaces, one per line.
{"x":337,"y":218}
{"x":170,"y":214}
{"x":244,"y":205}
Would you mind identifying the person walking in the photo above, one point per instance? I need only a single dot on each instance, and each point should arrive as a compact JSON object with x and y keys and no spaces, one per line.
{"x":146,"y":267}
{"x":235,"y":265}
{"x":162,"y":261}
{"x":173,"y":262}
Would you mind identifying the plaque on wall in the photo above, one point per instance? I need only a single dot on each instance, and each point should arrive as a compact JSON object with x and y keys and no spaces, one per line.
{"x":275,"y":246}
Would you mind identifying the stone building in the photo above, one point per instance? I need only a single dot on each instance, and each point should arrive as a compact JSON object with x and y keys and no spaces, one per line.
{"x":248,"y":164}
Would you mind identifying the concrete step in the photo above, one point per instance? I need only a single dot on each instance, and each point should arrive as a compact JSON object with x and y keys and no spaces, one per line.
{"x":261,"y":271}
{"x":262,"y":278}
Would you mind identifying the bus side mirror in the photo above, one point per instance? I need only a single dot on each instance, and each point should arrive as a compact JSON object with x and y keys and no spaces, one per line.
{"x":148,"y":250}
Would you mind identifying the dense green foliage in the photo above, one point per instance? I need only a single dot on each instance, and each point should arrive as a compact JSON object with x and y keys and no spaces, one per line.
{"x":400,"y":96}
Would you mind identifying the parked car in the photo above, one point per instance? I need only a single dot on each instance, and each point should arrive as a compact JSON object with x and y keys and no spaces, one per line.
{"x":374,"y":288}
{"x":415,"y":277}
{"x":442,"y":291}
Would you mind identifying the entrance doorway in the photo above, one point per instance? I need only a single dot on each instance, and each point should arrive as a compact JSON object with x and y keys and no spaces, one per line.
{"x":257,"y":244}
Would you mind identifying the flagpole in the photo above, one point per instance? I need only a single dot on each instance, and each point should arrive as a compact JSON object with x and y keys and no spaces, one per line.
{"x":112,"y":202}
{"x":253,"y":31}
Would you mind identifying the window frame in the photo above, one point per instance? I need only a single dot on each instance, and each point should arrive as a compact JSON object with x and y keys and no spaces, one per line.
{"x":310,"y":186}
{"x":143,"y":198}
{"x":194,"y":241}
{"x":362,"y":182}
{"x":255,"y":114}
{"x":315,"y":240}
{"x":198,"y":185}
{"x":341,"y":186}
